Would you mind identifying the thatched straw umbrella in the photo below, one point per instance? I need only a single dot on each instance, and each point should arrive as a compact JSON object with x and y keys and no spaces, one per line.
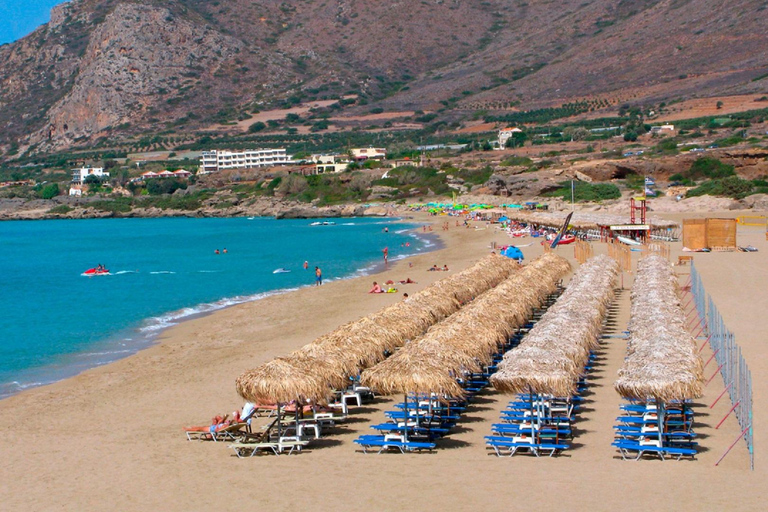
{"x":281,"y":381}
{"x":328,"y":362}
{"x":467,"y":339}
{"x":552,"y":357}
{"x":405,"y":374}
{"x":662,"y":362}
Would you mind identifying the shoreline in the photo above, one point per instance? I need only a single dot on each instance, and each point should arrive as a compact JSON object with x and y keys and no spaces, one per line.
{"x":149,"y":331}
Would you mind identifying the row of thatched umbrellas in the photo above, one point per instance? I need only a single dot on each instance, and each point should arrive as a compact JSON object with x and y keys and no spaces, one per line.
{"x":310,"y":373}
{"x":662,"y":363}
{"x":580,"y":220}
{"x":468,"y":339}
{"x":552,"y":356}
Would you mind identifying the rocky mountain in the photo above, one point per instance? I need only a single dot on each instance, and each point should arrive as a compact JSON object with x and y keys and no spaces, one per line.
{"x":106,"y":68}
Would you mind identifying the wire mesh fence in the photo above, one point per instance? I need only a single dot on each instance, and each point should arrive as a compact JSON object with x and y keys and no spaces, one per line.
{"x":737,"y":377}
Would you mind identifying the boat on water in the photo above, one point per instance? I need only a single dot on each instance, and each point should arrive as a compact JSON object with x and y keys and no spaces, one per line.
{"x":96,"y":272}
{"x":323,"y":223}
{"x":280,"y":271}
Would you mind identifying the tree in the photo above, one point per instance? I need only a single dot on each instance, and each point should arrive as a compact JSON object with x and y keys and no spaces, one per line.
{"x":719,"y":105}
{"x":516,"y":140}
{"x":630,"y":136}
{"x":92,"y":179}
{"x":50,"y":191}
{"x":256,"y":127}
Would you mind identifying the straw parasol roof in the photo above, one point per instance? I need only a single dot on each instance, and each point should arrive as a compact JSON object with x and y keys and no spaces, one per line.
{"x":552,"y":357}
{"x":581,"y":220}
{"x":469,"y":338}
{"x":327,"y":362}
{"x":407,"y":374}
{"x":662,"y":361}
{"x":280,"y":381}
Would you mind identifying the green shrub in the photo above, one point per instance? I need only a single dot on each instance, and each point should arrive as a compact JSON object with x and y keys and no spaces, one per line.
{"x":517,"y":160}
{"x":583,"y":191}
{"x":49,"y":191}
{"x":62,"y":208}
{"x":122,"y":205}
{"x":732,"y":186}
{"x":708,"y":167}
{"x":256,"y":127}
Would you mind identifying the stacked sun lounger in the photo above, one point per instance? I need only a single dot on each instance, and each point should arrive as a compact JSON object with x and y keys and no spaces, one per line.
{"x":536,"y":424}
{"x":658,"y":429}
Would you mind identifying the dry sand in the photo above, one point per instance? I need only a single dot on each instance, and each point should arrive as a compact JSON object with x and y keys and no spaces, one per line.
{"x":111,"y":438}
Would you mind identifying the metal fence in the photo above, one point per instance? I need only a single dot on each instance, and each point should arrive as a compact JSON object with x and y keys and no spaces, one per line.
{"x":731,"y":364}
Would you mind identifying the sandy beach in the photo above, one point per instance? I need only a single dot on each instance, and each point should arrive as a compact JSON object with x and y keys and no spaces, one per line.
{"x":111,"y":438}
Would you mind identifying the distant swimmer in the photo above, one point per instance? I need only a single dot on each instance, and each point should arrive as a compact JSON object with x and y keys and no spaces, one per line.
{"x":216,"y":251}
{"x":225,"y":250}
{"x":386,"y":230}
{"x":306,"y":265}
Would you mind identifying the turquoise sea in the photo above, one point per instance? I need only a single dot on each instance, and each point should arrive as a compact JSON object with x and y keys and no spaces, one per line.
{"x":57,"y":322}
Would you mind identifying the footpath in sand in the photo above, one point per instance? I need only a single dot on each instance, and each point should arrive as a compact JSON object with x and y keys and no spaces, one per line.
{"x":111,"y":438}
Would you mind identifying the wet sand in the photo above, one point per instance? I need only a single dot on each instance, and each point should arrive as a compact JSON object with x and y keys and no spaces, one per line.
{"x":111,"y":438}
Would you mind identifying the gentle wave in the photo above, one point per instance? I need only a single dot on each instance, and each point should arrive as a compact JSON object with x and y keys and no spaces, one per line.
{"x":163,"y":272}
{"x":121,"y":272}
{"x":158,"y":323}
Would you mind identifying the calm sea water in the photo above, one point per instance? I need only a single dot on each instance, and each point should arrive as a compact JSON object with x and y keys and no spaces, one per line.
{"x":56,"y":322}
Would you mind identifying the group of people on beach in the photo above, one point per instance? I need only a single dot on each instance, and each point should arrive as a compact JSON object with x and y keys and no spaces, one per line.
{"x":435,"y":268}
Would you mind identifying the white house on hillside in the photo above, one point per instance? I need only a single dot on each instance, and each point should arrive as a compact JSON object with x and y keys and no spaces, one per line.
{"x":79,"y":175}
{"x":505,"y":134}
{"x":329,"y":163}
{"x":361,"y":154}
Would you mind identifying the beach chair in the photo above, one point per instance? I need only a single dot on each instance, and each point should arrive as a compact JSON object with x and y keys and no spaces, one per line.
{"x":243,"y":450}
{"x":386,"y":442}
{"x":512,"y":446}
{"x":626,"y":447}
{"x":230,"y":432}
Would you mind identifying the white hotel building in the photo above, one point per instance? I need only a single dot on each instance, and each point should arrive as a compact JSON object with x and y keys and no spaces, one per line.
{"x":217,"y":160}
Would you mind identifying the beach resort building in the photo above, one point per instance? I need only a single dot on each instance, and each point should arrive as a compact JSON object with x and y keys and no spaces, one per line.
{"x":79,"y":175}
{"x":217,"y":160}
{"x":361,"y":154}
{"x":505,"y":134}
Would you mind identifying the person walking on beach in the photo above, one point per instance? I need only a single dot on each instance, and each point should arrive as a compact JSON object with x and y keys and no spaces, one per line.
{"x":318,"y":276}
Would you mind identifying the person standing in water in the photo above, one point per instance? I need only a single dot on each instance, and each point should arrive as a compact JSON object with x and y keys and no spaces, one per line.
{"x":306,"y":265}
{"x":318,"y":276}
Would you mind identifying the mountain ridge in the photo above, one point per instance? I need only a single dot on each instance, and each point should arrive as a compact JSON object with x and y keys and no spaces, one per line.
{"x":115,"y":68}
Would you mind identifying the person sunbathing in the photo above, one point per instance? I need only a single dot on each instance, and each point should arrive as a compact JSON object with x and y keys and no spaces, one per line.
{"x":408,"y":281}
{"x":376,"y":288}
{"x":218,"y":423}
{"x":434,"y":268}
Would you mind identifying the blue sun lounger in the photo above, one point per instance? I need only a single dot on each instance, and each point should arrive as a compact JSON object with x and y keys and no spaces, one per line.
{"x":500,"y":443}
{"x":368,"y":442}
{"x":625,"y":447}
